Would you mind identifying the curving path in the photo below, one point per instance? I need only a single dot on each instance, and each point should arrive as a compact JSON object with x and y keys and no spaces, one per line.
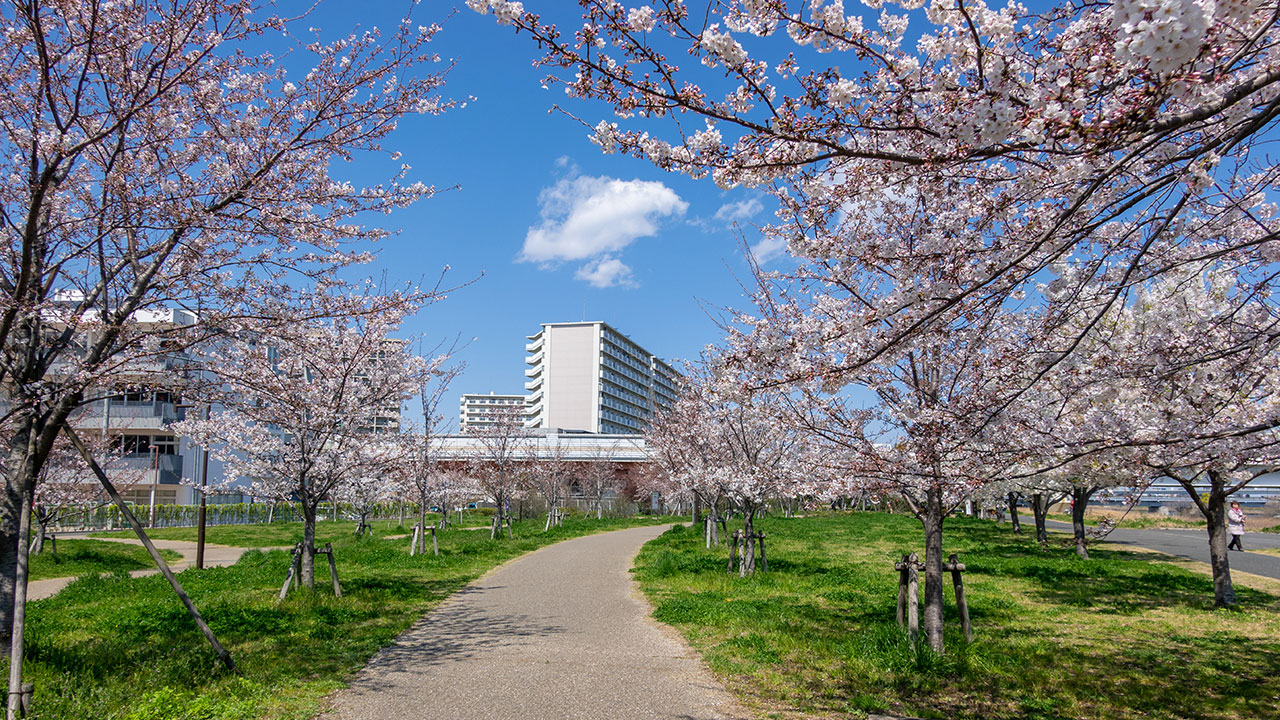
{"x":560,"y":633}
{"x":214,"y":556}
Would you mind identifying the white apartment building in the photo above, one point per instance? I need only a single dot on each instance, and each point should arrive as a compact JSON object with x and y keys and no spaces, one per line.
{"x":588,"y":376}
{"x":477,"y":411}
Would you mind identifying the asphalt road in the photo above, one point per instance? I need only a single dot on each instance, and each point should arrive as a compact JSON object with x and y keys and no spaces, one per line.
{"x":1194,"y":544}
{"x":560,"y":633}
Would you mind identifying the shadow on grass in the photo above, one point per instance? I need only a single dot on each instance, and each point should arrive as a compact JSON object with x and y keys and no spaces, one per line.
{"x":1055,"y":636}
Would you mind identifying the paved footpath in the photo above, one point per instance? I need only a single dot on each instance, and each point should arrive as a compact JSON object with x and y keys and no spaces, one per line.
{"x":214,"y":556}
{"x":1193,"y":543}
{"x":560,"y":633}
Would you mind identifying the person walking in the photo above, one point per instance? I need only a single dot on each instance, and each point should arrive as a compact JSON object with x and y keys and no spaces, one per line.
{"x":1235,"y":526}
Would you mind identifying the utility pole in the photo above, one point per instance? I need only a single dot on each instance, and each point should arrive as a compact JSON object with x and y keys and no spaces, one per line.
{"x":204,"y":484}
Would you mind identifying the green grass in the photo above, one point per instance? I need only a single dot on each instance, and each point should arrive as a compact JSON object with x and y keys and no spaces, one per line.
{"x":119,"y":648}
{"x":1119,"y":636}
{"x":256,"y":536}
{"x":265,"y":535}
{"x":82,"y":557}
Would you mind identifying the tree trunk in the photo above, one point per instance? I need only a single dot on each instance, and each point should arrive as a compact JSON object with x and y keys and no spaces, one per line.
{"x":1013,"y":512}
{"x":747,"y":561}
{"x":1079,"y":501}
{"x":422,"y":522}
{"x":932,"y":521}
{"x":307,"y":576}
{"x":11,"y":502}
{"x":1039,"y":509}
{"x":16,"y":645}
{"x":1224,"y":593}
{"x":42,"y":531}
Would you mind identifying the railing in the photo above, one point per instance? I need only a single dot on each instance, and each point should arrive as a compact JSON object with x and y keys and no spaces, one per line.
{"x":165,"y":412}
{"x":169,"y":466}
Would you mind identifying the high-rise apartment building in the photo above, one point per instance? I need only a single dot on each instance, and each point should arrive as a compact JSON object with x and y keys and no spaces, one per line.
{"x":588,"y":376}
{"x":477,"y":411}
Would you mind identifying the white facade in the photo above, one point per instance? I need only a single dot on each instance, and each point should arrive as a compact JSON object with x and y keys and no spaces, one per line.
{"x":477,"y":411}
{"x":588,"y":376}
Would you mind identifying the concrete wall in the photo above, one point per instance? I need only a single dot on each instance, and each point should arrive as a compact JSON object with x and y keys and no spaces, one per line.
{"x":571,"y":369}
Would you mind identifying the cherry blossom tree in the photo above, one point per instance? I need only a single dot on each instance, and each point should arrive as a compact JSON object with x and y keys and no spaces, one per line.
{"x":1123,"y":136}
{"x":598,"y":476}
{"x":1206,"y":423}
{"x":372,"y":481}
{"x":426,"y":479}
{"x":735,"y":447}
{"x":303,"y":406}
{"x":66,"y":488}
{"x":497,"y":463}
{"x":152,"y":161}
{"x":549,"y":474}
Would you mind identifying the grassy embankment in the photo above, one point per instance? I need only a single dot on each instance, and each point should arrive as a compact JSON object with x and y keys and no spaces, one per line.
{"x":123,"y":648}
{"x":1120,"y":636}
{"x":77,"y":557}
{"x":1134,"y":521}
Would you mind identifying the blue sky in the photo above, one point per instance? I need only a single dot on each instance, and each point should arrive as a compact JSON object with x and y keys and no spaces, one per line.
{"x":559,"y":230}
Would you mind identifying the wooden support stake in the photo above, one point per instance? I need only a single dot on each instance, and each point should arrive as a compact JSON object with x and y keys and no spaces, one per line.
{"x":733,"y":549}
{"x":435,"y":546}
{"x":218,"y":650}
{"x":764,"y":561}
{"x":956,"y":567}
{"x":333,"y":570}
{"x":909,"y":593}
{"x":901,"y":567}
{"x":913,"y":598}
{"x":292,"y":575}
{"x":27,"y":691}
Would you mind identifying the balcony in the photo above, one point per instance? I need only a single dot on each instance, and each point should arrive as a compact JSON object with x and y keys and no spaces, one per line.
{"x":145,"y":469}
{"x":533,"y":384}
{"x":534,"y":346}
{"x":533,"y":371}
{"x":130,"y":415}
{"x":533,"y":359}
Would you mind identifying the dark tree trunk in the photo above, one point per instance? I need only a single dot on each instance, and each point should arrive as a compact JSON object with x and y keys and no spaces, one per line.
{"x":932,"y":520}
{"x":10,"y":536}
{"x":1039,"y":510}
{"x":1013,"y":512}
{"x":1079,"y":501}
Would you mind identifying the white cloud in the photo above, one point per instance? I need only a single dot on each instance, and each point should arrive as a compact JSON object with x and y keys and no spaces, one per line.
{"x":768,"y":248}
{"x":587,"y":217}
{"x":604,"y":272}
{"x":741,"y":210}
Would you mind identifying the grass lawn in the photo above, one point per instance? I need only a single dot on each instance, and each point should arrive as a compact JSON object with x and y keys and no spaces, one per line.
{"x":120,"y":648}
{"x":282,"y":534}
{"x":1119,"y":636}
{"x":261,"y":535}
{"x":82,"y":557}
